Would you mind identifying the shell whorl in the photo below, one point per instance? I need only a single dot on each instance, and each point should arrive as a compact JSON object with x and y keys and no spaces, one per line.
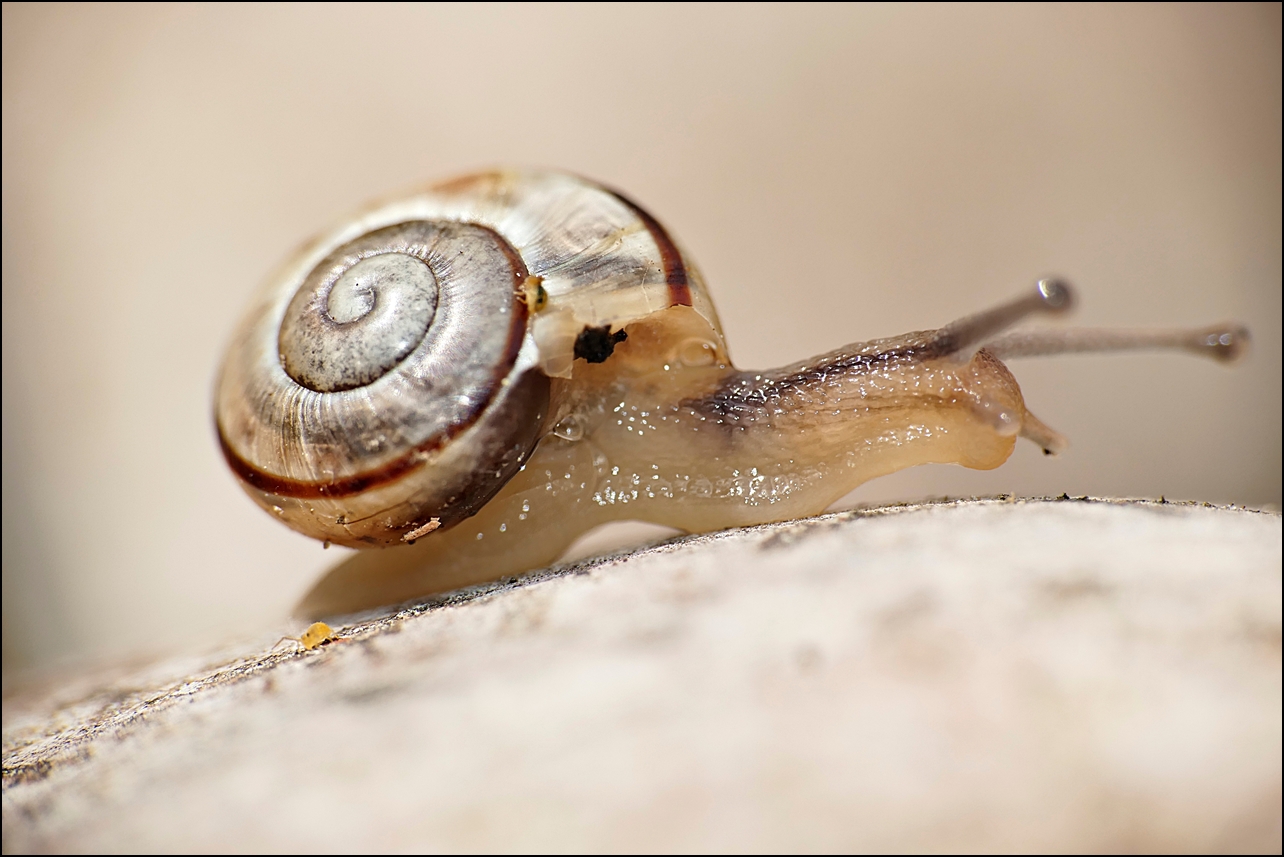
{"x":392,"y":372}
{"x":362,"y":311}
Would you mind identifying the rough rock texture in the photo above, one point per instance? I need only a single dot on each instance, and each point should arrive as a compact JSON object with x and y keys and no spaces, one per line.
{"x":1013,"y":675}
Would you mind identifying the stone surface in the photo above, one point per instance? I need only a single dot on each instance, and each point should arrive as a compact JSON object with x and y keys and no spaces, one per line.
{"x":1011,"y":675}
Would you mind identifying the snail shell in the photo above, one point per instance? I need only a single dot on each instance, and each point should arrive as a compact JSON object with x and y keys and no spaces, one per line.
{"x":397,"y":370}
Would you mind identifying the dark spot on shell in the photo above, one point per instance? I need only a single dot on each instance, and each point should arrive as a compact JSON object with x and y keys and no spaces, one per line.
{"x":595,"y":344}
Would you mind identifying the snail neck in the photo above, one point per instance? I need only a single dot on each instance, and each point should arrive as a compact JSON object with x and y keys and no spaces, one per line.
{"x":700,"y":445}
{"x":748,"y":447}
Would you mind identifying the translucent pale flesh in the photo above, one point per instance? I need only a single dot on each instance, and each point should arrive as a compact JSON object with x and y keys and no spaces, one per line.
{"x":666,"y":431}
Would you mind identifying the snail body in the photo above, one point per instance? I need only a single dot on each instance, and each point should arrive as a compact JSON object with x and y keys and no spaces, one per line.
{"x":492,"y":366}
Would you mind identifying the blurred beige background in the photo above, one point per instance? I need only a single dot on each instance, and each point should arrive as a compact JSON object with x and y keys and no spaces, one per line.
{"x":839,"y":173}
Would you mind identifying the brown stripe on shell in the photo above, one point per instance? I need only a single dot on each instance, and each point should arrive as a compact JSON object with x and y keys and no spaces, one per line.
{"x":675,"y":272}
{"x":412,"y":459}
{"x":345,"y":487}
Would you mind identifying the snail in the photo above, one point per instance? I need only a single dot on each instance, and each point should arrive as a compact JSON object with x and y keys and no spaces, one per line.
{"x":479,"y":372}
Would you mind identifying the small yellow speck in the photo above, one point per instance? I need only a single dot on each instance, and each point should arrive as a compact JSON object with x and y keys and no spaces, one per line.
{"x":316,"y":635}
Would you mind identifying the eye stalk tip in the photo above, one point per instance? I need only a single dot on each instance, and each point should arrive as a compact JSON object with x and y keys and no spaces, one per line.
{"x":1057,"y":294}
{"x":1224,"y":342}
